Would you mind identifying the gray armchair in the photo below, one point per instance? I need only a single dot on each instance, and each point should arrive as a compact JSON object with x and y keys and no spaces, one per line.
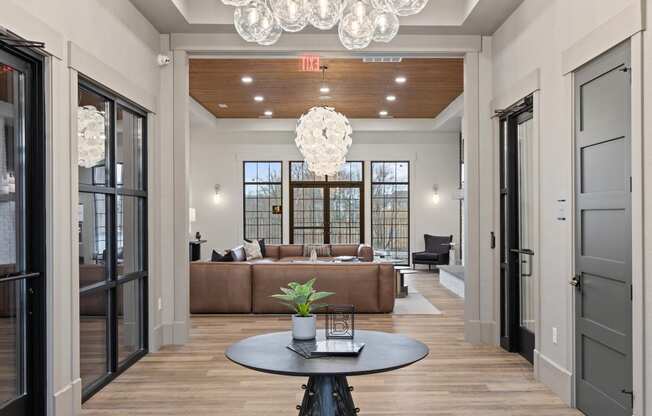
{"x":436,"y":252}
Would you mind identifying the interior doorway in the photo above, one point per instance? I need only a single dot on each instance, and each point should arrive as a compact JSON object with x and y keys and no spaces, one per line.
{"x":603,"y":239}
{"x":22,"y":234}
{"x":518,"y":276}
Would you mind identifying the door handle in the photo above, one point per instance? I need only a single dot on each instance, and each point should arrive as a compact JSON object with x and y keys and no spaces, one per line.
{"x":527,"y":252}
{"x":575,"y":281}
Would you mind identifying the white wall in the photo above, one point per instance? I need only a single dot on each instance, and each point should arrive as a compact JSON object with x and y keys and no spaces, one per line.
{"x":217,"y":155}
{"x":535,"y":38}
{"x":111,"y":42}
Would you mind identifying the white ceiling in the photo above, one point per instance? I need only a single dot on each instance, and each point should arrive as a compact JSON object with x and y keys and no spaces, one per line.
{"x":473,"y":17}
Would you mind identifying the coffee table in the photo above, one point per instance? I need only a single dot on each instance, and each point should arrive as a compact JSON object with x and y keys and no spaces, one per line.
{"x":327,"y":392}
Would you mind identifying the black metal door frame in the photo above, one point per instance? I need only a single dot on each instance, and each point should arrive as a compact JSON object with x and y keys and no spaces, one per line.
{"x":513,"y":337}
{"x":33,"y":402}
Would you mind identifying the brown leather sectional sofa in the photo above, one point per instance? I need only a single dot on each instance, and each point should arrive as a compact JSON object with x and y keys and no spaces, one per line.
{"x":245,"y":287}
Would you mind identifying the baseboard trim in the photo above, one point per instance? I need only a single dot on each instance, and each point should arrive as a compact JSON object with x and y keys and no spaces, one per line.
{"x":156,"y":339}
{"x":67,"y":401}
{"x":556,"y":377}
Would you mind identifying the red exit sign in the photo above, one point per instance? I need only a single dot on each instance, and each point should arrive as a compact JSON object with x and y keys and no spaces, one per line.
{"x":310,"y":63}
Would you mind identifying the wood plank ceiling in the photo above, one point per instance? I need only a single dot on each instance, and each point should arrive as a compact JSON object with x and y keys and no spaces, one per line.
{"x":357,"y":89}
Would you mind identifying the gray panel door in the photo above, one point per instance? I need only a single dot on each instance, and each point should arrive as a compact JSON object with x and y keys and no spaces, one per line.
{"x":603,"y":305}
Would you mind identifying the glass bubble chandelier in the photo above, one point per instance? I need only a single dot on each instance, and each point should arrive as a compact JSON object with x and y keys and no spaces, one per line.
{"x":359,"y":21}
{"x":324,"y":139}
{"x":91,"y":136}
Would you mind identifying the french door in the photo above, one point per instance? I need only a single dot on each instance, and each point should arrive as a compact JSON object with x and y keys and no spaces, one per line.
{"x":327,"y":210}
{"x":22,"y":235}
{"x":518,"y":276}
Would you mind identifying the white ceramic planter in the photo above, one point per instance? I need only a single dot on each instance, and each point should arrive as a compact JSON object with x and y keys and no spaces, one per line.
{"x":304,"y":328}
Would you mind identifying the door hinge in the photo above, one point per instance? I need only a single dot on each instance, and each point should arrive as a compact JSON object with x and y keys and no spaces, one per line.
{"x":631,"y":292}
{"x":631,"y":186}
{"x":503,"y":191}
{"x":492,"y":241}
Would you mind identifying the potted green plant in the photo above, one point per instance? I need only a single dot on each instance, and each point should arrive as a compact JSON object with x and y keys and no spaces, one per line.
{"x":301,"y":299}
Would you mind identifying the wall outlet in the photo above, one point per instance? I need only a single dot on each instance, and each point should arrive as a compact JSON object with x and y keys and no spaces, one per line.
{"x":160,"y":304}
{"x":554,"y":335}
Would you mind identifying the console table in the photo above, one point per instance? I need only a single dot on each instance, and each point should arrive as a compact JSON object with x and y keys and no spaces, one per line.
{"x":327,"y":392}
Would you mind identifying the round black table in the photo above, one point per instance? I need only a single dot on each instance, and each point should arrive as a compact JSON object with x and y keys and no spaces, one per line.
{"x":327,"y":392}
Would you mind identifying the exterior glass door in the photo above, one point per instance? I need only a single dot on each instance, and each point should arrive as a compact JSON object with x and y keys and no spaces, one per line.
{"x":526,"y":275}
{"x":21,"y":258}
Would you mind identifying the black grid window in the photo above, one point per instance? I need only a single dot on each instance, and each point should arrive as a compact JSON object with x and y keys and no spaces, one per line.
{"x":112,"y":223}
{"x":263,"y":201}
{"x":390,"y":210}
{"x":327,"y":209}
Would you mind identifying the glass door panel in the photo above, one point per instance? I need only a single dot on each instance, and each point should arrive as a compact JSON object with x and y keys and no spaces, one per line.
{"x":345,"y":215}
{"x":13,"y":324}
{"x":526,"y":283}
{"x":308,"y":215}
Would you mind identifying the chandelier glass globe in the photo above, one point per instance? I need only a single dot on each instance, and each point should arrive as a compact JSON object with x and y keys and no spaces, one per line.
{"x":292,"y":15}
{"x":274,"y":35}
{"x":356,"y":29}
{"x":323,"y":138}
{"x":386,"y":26}
{"x":254,"y":21}
{"x":324,"y":14}
{"x":406,"y":7}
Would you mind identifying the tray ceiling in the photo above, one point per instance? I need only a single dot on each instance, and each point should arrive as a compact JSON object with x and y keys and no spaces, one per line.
{"x":357,"y":89}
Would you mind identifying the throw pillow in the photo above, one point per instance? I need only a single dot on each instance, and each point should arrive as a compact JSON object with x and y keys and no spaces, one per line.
{"x":218,"y":257}
{"x":239,"y":253}
{"x":262,"y":246}
{"x":323,"y":250}
{"x":253,"y":250}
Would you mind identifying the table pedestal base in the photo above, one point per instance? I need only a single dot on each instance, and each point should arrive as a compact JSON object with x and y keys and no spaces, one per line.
{"x":327,"y":396}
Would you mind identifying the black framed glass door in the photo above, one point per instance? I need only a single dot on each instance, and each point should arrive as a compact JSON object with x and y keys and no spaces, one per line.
{"x":518,"y":276}
{"x":22,"y":234}
{"x":327,"y":210}
{"x":112,"y":235}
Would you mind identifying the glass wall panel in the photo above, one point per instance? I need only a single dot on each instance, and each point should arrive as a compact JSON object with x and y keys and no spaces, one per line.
{"x":129,"y":320}
{"x":130,"y":234}
{"x":93,"y":326}
{"x":129,"y":150}
{"x":92,"y":230}
{"x":93,"y":128}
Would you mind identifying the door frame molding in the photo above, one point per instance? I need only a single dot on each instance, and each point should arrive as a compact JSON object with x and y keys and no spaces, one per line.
{"x":637,"y":207}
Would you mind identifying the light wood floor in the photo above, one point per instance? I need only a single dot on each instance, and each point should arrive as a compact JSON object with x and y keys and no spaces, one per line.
{"x":456,"y":379}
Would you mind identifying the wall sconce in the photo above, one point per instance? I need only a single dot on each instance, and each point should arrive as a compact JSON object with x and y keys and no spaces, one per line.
{"x":218,"y":196}
{"x":435,"y":194}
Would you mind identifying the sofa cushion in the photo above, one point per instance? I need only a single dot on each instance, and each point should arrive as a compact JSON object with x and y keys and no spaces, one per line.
{"x":291,"y":250}
{"x":220,"y":287}
{"x":354,"y":284}
{"x":425,"y":256}
{"x":322,"y":250}
{"x":272,"y":251}
{"x":344,"y":250}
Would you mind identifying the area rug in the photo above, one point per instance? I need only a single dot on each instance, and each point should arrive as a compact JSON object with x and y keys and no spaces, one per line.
{"x":415,"y":304}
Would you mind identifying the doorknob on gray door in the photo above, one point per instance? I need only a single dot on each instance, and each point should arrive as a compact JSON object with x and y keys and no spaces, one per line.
{"x":575,"y":281}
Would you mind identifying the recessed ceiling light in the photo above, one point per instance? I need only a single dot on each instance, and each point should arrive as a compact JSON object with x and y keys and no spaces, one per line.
{"x":247,"y":79}
{"x":383,"y":113}
{"x":269,"y":113}
{"x":325,"y":97}
{"x":222,"y":105}
{"x":391,"y":98}
{"x":259,"y":98}
{"x":324,"y":89}
{"x":400,"y":80}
